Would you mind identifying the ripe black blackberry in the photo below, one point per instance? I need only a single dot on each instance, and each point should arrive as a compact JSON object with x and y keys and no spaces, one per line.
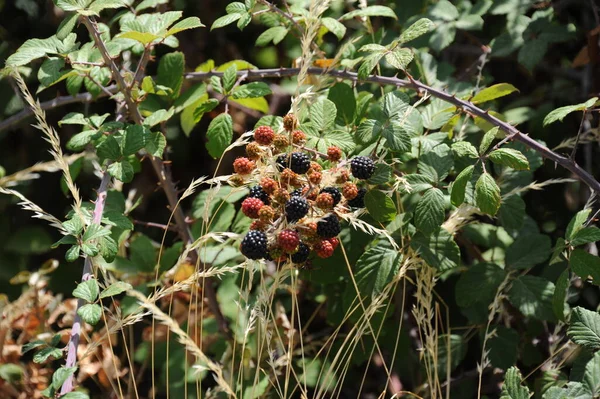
{"x":254,"y":245}
{"x":359,"y":200}
{"x":328,"y":227}
{"x":298,"y":162}
{"x":302,"y":254}
{"x":335,"y":193}
{"x":258,"y":192}
{"x":296,"y":208}
{"x":297,"y":193}
{"x":362,"y":167}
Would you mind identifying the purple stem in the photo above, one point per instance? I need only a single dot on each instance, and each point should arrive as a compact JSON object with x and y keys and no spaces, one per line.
{"x":87,"y":274}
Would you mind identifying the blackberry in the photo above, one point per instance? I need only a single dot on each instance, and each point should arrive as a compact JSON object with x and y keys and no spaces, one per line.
{"x":302,"y":255}
{"x":359,"y":200}
{"x":297,"y":192}
{"x":362,"y":167}
{"x":258,"y":192}
{"x":335,"y":193}
{"x":329,"y":226}
{"x":296,"y":208}
{"x":298,"y":162}
{"x":254,"y":245}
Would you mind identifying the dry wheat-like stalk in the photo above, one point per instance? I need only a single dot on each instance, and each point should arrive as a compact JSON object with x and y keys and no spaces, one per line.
{"x":38,"y":213}
{"x":30,"y":173}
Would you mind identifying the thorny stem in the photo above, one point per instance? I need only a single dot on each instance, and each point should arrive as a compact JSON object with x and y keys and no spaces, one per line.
{"x":511,"y":131}
{"x":87,"y":274}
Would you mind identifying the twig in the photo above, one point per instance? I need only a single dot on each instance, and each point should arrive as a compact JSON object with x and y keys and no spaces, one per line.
{"x":157,"y":225}
{"x":141,"y":67}
{"x":467,"y":106}
{"x":87,"y":274}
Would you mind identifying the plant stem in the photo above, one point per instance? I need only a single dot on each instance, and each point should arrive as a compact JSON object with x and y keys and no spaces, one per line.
{"x":467,"y":106}
{"x":87,"y":274}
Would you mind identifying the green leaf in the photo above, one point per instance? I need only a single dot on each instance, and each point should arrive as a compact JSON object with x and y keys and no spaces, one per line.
{"x":225,"y":20}
{"x":122,"y":171}
{"x":444,"y":10}
{"x":464,"y":149}
{"x":189,"y":97}
{"x":66,"y":26}
{"x":60,"y":376}
{"x":235,"y":7}
{"x":143,"y":37}
{"x":368,"y":64}
{"x":430,"y":211}
{"x":108,"y":248}
{"x":457,"y":193}
{"x":87,"y":290}
{"x":560,"y":295}
{"x":90,"y":313}
{"x":584,"y":328}
{"x":259,"y":104}
{"x":251,"y":90}
{"x":585,"y":265}
{"x":185,"y":24}
{"x":204,"y":107}
{"x":586,"y":235}
{"x":436,"y":163}
{"x":370,"y":11}
{"x":560,"y":113}
{"x":219,"y":134}
{"x":380,"y":206}
{"x":11,"y":373}
{"x":134,"y":139}
{"x":170,"y":72}
{"x":376,"y":268}
{"x":100,"y":5}
{"x":72,"y":253}
{"x":438,"y":250}
{"x":493,"y":92}
{"x":323,"y":114}
{"x":419,"y":28}
{"x":591,"y":376}
{"x":274,"y":34}
{"x":532,"y":52}
{"x":503,"y":347}
{"x":109,"y":149}
{"x":95,"y":231}
{"x":528,"y":251}
{"x":396,"y":137}
{"x":159,"y":116}
{"x":487,"y":140}
{"x":115,"y":289}
{"x":577,"y":223}
{"x":574,"y":390}
{"x":36,"y":48}
{"x":533,"y":297}
{"x":512,"y":388}
{"x":417,"y":183}
{"x":46,"y":353}
{"x":399,"y":58}
{"x":509,"y":157}
{"x":478,"y":284}
{"x":156,"y":144}
{"x":487,"y":194}
{"x":75,"y":395}
{"x":342,"y":95}
{"x":229,"y":77}
{"x":512,"y":213}
{"x":334,"y":26}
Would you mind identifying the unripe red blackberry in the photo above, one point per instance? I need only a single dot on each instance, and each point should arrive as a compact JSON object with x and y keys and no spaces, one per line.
{"x":343,"y":176}
{"x":254,"y":245}
{"x":329,"y":226}
{"x":324,"y":201}
{"x":349,"y":191}
{"x":298,"y":137}
{"x":269,"y":185}
{"x":288,"y":178}
{"x":251,"y":207}
{"x":253,"y":151}
{"x":324,"y":249}
{"x":315,"y":177}
{"x":334,"y":154}
{"x":243,"y":166}
{"x":258,"y":225}
{"x":302,"y":254}
{"x":281,"y":195}
{"x":362,"y":167}
{"x":288,"y":240}
{"x":334,"y":242}
{"x":281,"y":142}
{"x":290,"y":122}
{"x":296,"y":208}
{"x":264,"y":135}
{"x":266,"y":214}
{"x":277,"y":255}
{"x":260,"y":193}
{"x":315,"y":167}
{"x":335,"y":193}
{"x":359,"y":200}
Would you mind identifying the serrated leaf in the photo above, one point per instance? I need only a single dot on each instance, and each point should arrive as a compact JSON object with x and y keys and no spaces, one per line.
{"x":229,"y":77}
{"x":36,"y":48}
{"x":487,"y":194}
{"x":417,"y":183}
{"x":503,"y":347}
{"x":61,"y":375}
{"x":72,"y":253}
{"x":457,"y":193}
{"x":66,"y":26}
{"x":323,"y":114}
{"x":159,"y":116}
{"x":334,"y":26}
{"x":185,"y":24}
{"x":533,"y":297}
{"x":576,"y":223}
{"x":31,"y":345}
{"x":87,"y":290}
{"x":380,"y":206}
{"x":225,"y":20}
{"x":512,"y":213}
{"x":170,"y":72}
{"x":376,"y":268}
{"x":509,"y":157}
{"x":368,"y":64}
{"x":464,"y":149}
{"x":512,"y":388}
{"x":493,"y":92}
{"x":436,"y":163}
{"x":560,"y":113}
{"x":44,"y":354}
{"x":396,"y":137}
{"x":526,"y":252}
{"x":585,"y":265}
{"x":90,"y":313}
{"x":95,"y":231}
{"x":109,"y":149}
{"x":591,"y":376}
{"x":586,"y":235}
{"x":219,"y":134}
{"x":478,"y":284}
{"x":251,"y":90}
{"x":134,"y":139}
{"x":115,"y":289}
{"x":274,"y":34}
{"x":584,"y":328}
{"x":342,"y":95}
{"x":430,"y":211}
{"x":143,"y":37}
{"x":487,"y":140}
{"x":259,"y":104}
{"x":75,"y":395}
{"x":156,"y":144}
{"x":108,"y":248}
{"x":438,"y":250}
{"x":417,"y":29}
{"x":560,"y":294}
{"x":370,"y":11}
{"x":122,"y":171}
{"x":399,"y":58}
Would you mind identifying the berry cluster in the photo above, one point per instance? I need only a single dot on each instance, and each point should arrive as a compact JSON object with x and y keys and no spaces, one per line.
{"x":296,"y":194}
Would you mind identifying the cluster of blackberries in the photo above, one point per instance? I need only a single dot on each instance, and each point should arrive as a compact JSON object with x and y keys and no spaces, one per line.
{"x":296,"y":194}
